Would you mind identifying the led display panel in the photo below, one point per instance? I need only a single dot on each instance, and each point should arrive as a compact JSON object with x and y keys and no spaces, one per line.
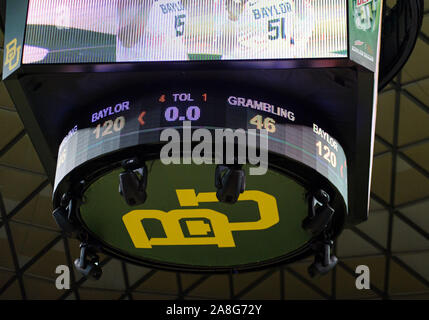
{"x":293,"y":132}
{"x":109,"y":31}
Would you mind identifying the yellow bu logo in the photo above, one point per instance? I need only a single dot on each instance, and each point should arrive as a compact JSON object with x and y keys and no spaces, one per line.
{"x":13,"y":54}
{"x":196,"y":221}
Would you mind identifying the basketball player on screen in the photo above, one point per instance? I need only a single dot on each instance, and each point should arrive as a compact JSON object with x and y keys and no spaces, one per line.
{"x":151,"y":30}
{"x":269,"y":29}
{"x":154,"y":30}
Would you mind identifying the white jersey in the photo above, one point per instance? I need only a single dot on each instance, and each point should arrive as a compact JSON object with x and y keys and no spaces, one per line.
{"x":160,"y":31}
{"x":270,"y":29}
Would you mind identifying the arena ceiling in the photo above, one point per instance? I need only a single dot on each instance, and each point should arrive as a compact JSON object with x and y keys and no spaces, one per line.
{"x":393,"y":243}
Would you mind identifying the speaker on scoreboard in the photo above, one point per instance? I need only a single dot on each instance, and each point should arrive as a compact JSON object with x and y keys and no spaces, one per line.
{"x":230,"y":182}
{"x":64,"y":214}
{"x":133,"y":182}
{"x":320,"y":213}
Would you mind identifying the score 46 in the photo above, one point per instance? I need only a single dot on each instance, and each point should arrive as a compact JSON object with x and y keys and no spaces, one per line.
{"x":268,"y":123}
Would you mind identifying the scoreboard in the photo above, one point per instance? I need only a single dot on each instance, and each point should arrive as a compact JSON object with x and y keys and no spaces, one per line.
{"x":98,"y":84}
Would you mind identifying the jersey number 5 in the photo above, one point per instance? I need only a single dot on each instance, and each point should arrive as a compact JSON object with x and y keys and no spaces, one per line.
{"x":179,"y":25}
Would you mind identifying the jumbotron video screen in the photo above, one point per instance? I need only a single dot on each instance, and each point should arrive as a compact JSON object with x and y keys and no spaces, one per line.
{"x":70,"y":31}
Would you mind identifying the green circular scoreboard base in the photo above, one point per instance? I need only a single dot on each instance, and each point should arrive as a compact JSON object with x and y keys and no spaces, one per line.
{"x":183,"y":225}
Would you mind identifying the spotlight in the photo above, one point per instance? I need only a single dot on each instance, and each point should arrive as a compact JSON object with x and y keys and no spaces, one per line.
{"x":133,"y":182}
{"x":230,"y":181}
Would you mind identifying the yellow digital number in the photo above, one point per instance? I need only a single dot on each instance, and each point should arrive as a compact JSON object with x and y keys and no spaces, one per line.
{"x":269,"y":124}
